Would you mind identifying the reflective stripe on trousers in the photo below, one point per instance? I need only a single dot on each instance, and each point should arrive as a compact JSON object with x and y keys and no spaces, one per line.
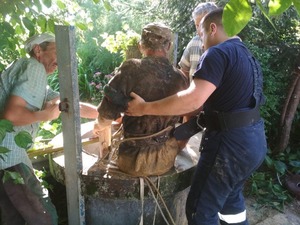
{"x":233,"y":218}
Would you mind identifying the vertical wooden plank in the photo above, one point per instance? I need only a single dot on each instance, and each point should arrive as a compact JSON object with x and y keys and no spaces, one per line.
{"x":69,"y":96}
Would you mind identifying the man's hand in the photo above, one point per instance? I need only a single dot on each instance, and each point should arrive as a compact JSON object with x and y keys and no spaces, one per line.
{"x":100,"y":125}
{"x":135,"y":106}
{"x":97,"y":129}
{"x":51,"y":111}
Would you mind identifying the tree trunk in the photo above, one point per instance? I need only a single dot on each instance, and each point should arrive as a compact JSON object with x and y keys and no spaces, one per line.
{"x":288,"y":112}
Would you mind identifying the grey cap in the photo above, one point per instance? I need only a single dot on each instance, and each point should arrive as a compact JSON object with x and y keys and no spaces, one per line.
{"x":156,"y":35}
{"x":38,"y":39}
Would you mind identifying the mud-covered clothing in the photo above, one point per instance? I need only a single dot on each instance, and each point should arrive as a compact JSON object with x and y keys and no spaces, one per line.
{"x":228,"y":156}
{"x":152,"y":78}
{"x":191,"y":56}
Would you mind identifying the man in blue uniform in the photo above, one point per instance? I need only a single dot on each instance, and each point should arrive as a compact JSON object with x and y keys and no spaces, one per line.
{"x":228,"y":84}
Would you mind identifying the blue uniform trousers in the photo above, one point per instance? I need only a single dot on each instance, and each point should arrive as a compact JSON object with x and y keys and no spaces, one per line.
{"x":227,"y":159}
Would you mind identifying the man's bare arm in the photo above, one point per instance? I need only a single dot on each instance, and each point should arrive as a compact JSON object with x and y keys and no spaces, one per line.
{"x":16,"y":111}
{"x":100,"y":124}
{"x":181,"y":103}
{"x":88,"y":110}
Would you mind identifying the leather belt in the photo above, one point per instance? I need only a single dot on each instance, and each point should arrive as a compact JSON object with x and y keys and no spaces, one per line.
{"x":216,"y":121}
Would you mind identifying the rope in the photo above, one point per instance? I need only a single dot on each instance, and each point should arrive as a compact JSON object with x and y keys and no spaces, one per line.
{"x":156,"y":198}
{"x":155,"y":211}
{"x":142,"y":188}
{"x":148,"y":136}
{"x":151,"y":187}
{"x":116,"y":141}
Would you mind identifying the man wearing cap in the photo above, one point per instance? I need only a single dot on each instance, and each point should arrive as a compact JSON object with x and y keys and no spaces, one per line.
{"x":148,"y":147}
{"x":26,"y":100}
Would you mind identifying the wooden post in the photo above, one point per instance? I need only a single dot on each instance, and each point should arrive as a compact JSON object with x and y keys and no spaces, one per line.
{"x":69,"y":105}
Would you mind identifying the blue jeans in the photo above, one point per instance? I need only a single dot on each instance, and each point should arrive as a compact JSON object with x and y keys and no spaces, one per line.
{"x":227,"y":159}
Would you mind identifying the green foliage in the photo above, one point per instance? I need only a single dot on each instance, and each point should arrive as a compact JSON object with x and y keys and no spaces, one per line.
{"x":268,"y":185}
{"x":23,"y":139}
{"x":14,"y":176}
{"x":49,"y":129}
{"x":238,"y":11}
{"x":285,"y":163}
{"x":5,"y":126}
{"x":95,"y":61}
{"x":179,"y":19}
{"x":273,"y":87}
{"x":41,"y":175}
{"x":53,"y":81}
{"x":278,"y":52}
{"x":91,"y":86}
{"x":277,"y":7}
{"x":264,"y":12}
{"x":3,"y":152}
{"x":297,"y":5}
{"x":121,"y":41}
{"x":18,"y":21}
{"x":267,"y":191}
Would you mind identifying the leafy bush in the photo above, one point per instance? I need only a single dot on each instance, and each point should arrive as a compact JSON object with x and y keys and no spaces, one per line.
{"x":267,"y":191}
{"x":91,"y":86}
{"x":22,"y":139}
{"x":273,"y":89}
{"x":121,"y":41}
{"x":277,"y":50}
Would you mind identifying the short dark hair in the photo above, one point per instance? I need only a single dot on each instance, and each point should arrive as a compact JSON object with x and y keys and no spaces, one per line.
{"x":214,"y":16}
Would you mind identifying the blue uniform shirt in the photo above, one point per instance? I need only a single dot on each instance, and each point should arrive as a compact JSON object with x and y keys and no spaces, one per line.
{"x":227,"y":66}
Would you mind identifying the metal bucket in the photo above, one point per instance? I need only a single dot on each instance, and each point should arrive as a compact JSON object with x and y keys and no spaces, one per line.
{"x":114,"y":198}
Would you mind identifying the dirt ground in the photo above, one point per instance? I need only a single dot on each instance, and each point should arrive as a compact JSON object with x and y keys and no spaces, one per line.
{"x":269,"y":216}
